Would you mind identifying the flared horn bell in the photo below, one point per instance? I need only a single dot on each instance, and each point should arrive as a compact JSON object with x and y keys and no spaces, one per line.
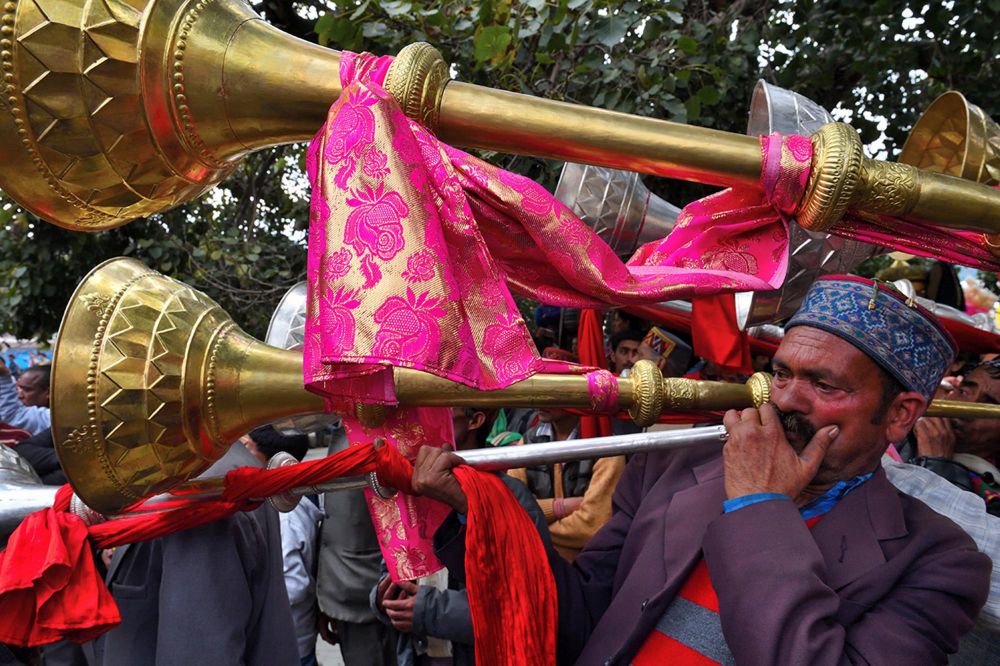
{"x":957,"y":138}
{"x":287,"y":330}
{"x":617,"y":205}
{"x":116,"y":109}
{"x":811,"y":254}
{"x":153,"y":382}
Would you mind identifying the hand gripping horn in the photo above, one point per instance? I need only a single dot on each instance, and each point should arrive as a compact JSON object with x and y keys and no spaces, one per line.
{"x":115,"y":109}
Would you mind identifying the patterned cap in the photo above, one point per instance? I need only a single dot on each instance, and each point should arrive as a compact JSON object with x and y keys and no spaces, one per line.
{"x":903,"y":338}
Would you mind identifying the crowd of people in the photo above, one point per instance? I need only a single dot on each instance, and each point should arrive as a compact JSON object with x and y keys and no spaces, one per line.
{"x":837,"y":524}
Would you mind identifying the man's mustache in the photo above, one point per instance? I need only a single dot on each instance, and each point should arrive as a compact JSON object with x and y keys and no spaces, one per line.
{"x":796,"y":426}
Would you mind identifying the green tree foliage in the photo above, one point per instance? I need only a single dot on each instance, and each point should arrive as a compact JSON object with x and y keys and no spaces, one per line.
{"x":878,"y":63}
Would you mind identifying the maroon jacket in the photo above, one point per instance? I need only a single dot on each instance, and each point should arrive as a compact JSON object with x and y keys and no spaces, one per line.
{"x":881,"y":579}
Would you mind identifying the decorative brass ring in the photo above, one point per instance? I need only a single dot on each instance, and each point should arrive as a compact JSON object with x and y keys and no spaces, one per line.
{"x":416,"y":80}
{"x":647,"y":392}
{"x":834,"y":178}
{"x":760,"y":388}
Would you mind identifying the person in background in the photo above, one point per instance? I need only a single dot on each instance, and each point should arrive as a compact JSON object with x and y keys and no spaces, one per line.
{"x":624,"y":350}
{"x":350,"y":564}
{"x":12,"y":365}
{"x":25,"y":403}
{"x":431,"y":614}
{"x":213,"y":594}
{"x":574,"y":497}
{"x":299,"y":534}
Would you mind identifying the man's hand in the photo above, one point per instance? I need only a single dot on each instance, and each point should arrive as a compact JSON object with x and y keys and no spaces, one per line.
{"x":400,"y":608}
{"x":327,"y":627}
{"x":432,"y":477}
{"x":383,"y":589}
{"x":935,"y":438}
{"x":759,"y":459}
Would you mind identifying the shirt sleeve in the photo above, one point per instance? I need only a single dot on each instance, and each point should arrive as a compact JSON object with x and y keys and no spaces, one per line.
{"x":15,"y":413}
{"x":746,"y":500}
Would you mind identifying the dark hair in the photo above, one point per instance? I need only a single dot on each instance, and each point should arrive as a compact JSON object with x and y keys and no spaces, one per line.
{"x":622,"y":336}
{"x":489,"y":416}
{"x":269,"y":441}
{"x":44,"y":372}
{"x":890,"y":389}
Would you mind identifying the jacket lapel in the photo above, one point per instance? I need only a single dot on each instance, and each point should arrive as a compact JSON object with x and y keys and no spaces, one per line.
{"x":687,"y":519}
{"x":849,"y":535}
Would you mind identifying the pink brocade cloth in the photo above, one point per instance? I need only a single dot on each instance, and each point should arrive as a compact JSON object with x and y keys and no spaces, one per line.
{"x":413,"y":244}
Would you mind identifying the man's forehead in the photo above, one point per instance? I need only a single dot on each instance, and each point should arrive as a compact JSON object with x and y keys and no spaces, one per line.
{"x":627,"y":344}
{"x":812,"y":347}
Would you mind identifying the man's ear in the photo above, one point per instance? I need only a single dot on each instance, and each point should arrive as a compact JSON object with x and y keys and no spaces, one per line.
{"x":903,"y":413}
{"x":477,"y":421}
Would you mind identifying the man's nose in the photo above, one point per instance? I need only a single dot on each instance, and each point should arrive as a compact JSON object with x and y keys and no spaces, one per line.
{"x":790,"y":398}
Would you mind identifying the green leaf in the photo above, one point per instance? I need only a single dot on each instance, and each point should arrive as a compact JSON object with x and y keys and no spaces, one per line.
{"x":693,"y":105}
{"x":709,"y":95}
{"x":688,"y":45}
{"x":611,"y":30}
{"x":490,"y":43}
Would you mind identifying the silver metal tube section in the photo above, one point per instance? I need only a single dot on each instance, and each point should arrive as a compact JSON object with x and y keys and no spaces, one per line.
{"x":597,"y":447}
{"x":17,"y":500}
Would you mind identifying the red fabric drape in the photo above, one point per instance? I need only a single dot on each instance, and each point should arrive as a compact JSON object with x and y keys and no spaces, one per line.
{"x":512,"y":595}
{"x":716,"y":335}
{"x":50,"y":588}
{"x":590,"y":349}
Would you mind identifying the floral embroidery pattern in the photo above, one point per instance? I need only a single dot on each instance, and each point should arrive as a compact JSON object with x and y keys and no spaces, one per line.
{"x":374,"y":163}
{"x":376,"y":223}
{"x":409,"y":326}
{"x":337,"y":265}
{"x":419,"y":267}
{"x":337,"y":320}
{"x":352,"y":130}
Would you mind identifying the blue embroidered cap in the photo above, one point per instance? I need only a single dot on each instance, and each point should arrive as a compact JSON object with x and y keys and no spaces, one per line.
{"x":903,"y":338}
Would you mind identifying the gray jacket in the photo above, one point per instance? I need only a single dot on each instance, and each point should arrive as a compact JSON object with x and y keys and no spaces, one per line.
{"x":213,"y":594}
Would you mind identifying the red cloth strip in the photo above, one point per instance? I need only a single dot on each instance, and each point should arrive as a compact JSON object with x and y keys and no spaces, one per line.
{"x":512,"y":594}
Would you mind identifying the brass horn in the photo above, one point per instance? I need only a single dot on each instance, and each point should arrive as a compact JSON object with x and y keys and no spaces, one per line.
{"x":118,"y":109}
{"x":955,"y":137}
{"x":154,"y":381}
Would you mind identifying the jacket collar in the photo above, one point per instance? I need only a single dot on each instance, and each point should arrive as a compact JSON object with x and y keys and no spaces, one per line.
{"x":848,"y":536}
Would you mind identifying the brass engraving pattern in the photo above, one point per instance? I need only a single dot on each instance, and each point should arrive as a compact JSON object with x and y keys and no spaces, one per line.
{"x":679,"y":394}
{"x":836,"y":170}
{"x":760,"y":388}
{"x":416,"y":80}
{"x":887,"y":187}
{"x":92,"y":373}
{"x":211,"y":408}
{"x":180,"y":96}
{"x":39,"y":90}
{"x":648,"y":393}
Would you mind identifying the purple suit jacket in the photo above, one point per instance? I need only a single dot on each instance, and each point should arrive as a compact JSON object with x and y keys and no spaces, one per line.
{"x":881,"y":579}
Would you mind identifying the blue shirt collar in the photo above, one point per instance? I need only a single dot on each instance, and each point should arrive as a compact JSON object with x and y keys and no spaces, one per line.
{"x":829,"y":499}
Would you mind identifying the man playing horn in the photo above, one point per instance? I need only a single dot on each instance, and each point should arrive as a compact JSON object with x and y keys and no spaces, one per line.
{"x":789,"y":547}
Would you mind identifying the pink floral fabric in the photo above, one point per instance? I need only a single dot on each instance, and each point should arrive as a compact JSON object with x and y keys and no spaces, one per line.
{"x":405,"y":524}
{"x":415,"y":245}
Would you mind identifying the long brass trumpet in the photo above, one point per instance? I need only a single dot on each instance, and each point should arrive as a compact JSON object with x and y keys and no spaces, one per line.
{"x":153,"y":382}
{"x":115,"y":110}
